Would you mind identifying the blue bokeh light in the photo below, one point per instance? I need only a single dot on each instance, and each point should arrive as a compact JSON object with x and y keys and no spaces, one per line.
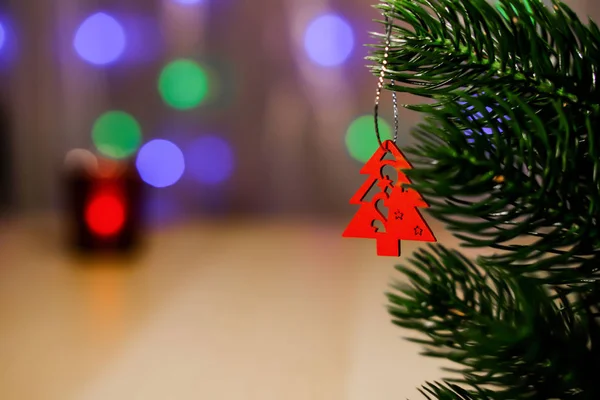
{"x":478,"y":115}
{"x":329,"y":40}
{"x":100,"y":39}
{"x":2,"y":36}
{"x":160,"y":163}
{"x":210,"y":160}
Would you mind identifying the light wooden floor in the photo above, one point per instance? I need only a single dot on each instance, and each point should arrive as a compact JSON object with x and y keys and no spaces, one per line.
{"x":278,"y":310}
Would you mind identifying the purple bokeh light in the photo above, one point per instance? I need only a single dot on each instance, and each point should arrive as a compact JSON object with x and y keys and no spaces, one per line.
{"x":210,"y":160}
{"x":188,"y":2}
{"x":2,"y":36}
{"x":160,"y":163}
{"x":329,"y":40}
{"x":9,"y":43}
{"x":476,"y":116}
{"x":100,"y":39}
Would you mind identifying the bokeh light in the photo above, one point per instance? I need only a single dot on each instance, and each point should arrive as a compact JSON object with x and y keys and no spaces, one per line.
{"x":78,"y":159}
{"x":361,"y":140}
{"x":210,"y":159}
{"x":476,"y":116}
{"x":183,"y":84}
{"x":329,"y":40}
{"x":160,"y":163}
{"x":2,"y":36}
{"x":500,"y":7}
{"x":100,"y":39}
{"x":116,"y":134}
{"x":105,"y":214}
{"x":187,"y":2}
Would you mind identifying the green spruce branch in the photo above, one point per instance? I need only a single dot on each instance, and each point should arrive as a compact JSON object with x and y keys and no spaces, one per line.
{"x":507,"y":153}
{"x":508,"y":337}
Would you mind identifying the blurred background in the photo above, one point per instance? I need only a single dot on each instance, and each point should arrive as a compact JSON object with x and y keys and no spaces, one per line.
{"x":240,"y":108}
{"x":221,"y":140}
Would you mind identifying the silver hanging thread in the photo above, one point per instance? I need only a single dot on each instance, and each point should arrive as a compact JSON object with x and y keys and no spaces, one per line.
{"x":380,"y":87}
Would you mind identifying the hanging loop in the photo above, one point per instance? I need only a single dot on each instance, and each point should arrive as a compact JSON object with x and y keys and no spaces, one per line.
{"x":388,"y":25}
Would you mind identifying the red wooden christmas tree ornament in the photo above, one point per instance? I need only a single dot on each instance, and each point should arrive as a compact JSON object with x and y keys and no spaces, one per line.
{"x":392,"y":214}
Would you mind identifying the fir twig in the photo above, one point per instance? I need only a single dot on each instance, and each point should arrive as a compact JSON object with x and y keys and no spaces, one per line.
{"x":506,"y":333}
{"x":507,"y":152}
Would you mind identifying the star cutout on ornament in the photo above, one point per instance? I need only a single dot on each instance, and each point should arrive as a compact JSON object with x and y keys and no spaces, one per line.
{"x":418,"y":231}
{"x":385,"y":183}
{"x":398,"y":215}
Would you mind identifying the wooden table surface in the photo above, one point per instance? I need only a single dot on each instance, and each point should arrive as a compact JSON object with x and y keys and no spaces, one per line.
{"x":265,"y":310}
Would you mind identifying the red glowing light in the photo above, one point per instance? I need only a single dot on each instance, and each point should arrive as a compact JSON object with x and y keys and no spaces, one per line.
{"x":105,"y":215}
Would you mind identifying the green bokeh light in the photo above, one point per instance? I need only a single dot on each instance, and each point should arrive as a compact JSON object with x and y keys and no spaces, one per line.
{"x":183,"y":84}
{"x":500,"y":8}
{"x":116,"y":134}
{"x":361,"y":140}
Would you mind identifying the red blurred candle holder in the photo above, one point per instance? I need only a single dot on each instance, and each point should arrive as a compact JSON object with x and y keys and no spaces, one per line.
{"x":104,"y":206}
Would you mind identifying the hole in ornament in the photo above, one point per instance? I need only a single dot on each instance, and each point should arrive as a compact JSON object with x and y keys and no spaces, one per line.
{"x":390,"y":172}
{"x":371,"y":192}
{"x":389,"y":156}
{"x":383,"y":210}
{"x":377,"y":186}
{"x":379,"y":226}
